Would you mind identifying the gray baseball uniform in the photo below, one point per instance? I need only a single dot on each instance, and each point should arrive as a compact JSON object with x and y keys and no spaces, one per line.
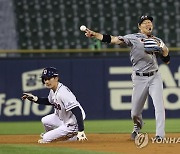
{"x":146,"y":80}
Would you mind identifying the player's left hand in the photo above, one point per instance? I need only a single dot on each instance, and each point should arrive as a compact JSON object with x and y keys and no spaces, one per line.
{"x":81,"y":136}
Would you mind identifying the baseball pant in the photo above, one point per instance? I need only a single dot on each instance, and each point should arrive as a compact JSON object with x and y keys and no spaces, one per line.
{"x":153,"y":86}
{"x":57,"y":130}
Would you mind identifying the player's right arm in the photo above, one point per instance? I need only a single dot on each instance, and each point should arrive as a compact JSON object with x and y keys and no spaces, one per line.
{"x":35,"y":99}
{"x":104,"y":38}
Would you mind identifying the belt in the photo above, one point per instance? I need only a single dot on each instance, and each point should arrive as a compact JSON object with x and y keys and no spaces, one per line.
{"x":146,"y":74}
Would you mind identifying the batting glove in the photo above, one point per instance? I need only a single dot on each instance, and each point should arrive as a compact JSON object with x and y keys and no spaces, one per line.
{"x":81,"y":136}
{"x":30,"y":97}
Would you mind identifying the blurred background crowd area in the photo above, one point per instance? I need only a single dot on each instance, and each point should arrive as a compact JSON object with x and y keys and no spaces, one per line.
{"x":54,"y":24}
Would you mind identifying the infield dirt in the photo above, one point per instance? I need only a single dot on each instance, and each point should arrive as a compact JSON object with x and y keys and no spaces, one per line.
{"x":115,"y":143}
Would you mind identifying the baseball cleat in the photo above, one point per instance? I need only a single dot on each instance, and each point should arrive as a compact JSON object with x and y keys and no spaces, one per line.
{"x":133,"y":135}
{"x":41,"y":141}
{"x":158,"y":139}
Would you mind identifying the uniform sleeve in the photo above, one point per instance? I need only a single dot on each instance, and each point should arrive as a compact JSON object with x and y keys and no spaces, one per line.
{"x":126,"y":39}
{"x":43,"y":101}
{"x":69,"y":100}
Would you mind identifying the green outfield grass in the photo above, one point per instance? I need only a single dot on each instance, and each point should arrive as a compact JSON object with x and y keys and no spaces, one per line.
{"x":91,"y":126}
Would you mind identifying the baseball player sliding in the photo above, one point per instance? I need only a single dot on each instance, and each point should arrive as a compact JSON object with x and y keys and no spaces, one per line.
{"x":66,"y":123}
{"x":145,"y":48}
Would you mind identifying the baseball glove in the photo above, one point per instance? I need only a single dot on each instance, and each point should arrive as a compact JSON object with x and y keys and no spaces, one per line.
{"x":151,"y":46}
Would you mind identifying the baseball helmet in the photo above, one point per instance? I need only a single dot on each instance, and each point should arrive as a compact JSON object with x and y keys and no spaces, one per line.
{"x":48,"y":73}
{"x":144,"y":17}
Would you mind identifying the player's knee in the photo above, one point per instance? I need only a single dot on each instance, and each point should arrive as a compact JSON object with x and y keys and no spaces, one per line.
{"x":43,"y":120}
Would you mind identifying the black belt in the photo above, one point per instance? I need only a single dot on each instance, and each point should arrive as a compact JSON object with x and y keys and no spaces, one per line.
{"x":146,"y":74}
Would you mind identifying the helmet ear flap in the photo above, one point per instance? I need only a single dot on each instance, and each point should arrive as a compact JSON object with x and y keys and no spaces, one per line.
{"x":42,"y":79}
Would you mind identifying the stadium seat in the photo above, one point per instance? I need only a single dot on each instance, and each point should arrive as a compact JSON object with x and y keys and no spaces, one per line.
{"x":55,"y":24}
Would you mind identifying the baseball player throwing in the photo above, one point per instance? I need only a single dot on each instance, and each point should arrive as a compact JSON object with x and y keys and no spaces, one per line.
{"x":66,"y":123}
{"x":145,"y":76}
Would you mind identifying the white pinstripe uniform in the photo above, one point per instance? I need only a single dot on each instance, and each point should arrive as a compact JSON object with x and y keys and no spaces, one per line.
{"x":63,"y":120}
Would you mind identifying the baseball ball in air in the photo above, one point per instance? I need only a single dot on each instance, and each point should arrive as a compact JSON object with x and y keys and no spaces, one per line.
{"x":83,"y":28}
